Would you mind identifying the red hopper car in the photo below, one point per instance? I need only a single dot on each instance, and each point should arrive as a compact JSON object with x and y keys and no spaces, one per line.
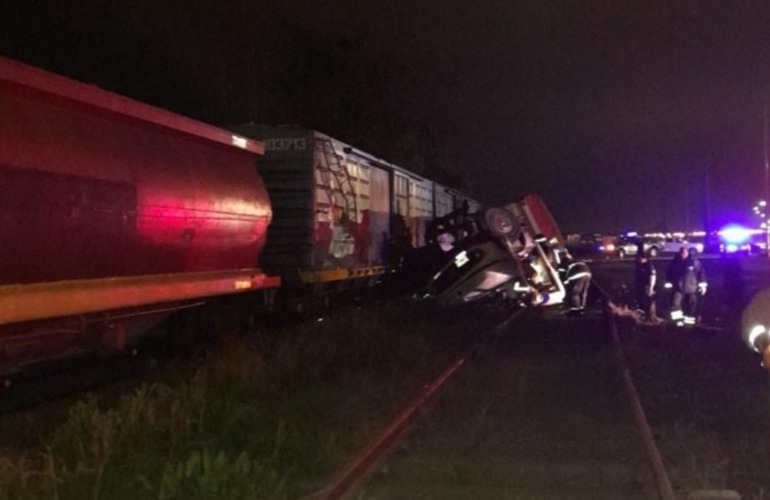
{"x":113,"y":211}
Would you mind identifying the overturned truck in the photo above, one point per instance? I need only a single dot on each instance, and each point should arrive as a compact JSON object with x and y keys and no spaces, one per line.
{"x":513,"y":256}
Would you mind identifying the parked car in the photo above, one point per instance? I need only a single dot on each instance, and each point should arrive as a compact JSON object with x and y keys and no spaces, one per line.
{"x":672,"y":245}
{"x":628,"y":246}
{"x":652,"y":245}
{"x":585,"y":245}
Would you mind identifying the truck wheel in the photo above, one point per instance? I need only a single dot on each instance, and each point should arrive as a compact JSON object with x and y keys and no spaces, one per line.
{"x":653,"y":252}
{"x":621,"y":253}
{"x":500,"y":222}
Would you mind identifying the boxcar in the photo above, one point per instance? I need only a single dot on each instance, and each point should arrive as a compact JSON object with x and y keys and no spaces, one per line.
{"x":341,"y":215}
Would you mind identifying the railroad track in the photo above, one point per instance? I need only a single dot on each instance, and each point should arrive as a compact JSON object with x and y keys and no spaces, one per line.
{"x":546,"y":408}
{"x":538,"y":410}
{"x":179,"y":338}
{"x":54,"y":382}
{"x":49,"y":382}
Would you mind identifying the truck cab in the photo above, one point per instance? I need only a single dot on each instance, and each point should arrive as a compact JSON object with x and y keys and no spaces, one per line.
{"x":513,"y":257}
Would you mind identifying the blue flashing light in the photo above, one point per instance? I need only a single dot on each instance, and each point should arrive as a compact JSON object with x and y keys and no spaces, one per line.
{"x":735,"y":235}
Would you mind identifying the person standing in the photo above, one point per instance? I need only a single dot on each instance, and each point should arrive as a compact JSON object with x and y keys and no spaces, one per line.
{"x":645,"y":277}
{"x":686,"y":278}
{"x":577,"y":280}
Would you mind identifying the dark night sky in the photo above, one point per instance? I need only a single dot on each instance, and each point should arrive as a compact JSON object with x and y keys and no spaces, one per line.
{"x":620,"y":114}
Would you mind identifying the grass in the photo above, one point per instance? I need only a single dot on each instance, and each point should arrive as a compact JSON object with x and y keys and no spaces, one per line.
{"x":265,"y":415}
{"x":707,"y":399}
{"x":708,"y":404}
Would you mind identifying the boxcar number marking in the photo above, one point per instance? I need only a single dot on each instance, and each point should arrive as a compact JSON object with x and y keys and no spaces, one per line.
{"x":286,"y":144}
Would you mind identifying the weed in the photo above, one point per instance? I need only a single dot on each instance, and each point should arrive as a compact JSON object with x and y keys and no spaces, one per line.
{"x":268,"y":414}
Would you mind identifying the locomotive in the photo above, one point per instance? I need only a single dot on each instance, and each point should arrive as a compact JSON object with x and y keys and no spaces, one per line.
{"x":115,"y":214}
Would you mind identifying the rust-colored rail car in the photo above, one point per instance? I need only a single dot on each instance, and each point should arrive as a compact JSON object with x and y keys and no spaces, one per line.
{"x":115,"y":208}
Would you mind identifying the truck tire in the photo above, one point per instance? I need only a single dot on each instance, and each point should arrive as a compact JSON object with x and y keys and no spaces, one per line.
{"x":501,"y":222}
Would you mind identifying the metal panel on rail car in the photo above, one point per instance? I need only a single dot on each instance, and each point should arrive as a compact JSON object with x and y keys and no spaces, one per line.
{"x":473,"y":205}
{"x":413,"y":199}
{"x":96,"y":185}
{"x":443,"y":200}
{"x":331,"y":205}
{"x":290,"y":181}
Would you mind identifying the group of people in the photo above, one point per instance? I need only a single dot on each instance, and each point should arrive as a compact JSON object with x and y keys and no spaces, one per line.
{"x":685,"y":279}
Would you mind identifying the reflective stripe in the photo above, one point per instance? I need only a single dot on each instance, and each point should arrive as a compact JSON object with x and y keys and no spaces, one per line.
{"x":37,"y":301}
{"x":340,"y":274}
{"x":576,"y":264}
{"x":756,"y":332}
{"x":689,"y":320}
{"x":677,"y":315}
{"x":520,"y":288}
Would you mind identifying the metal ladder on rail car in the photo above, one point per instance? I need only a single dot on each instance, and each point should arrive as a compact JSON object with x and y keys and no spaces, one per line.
{"x":341,"y":175}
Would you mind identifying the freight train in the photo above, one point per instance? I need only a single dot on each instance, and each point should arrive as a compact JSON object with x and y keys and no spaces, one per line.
{"x":342,"y":217}
{"x":115,"y":214}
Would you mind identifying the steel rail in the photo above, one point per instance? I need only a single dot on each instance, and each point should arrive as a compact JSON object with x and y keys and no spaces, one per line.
{"x":662,"y":481}
{"x":363,"y":463}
